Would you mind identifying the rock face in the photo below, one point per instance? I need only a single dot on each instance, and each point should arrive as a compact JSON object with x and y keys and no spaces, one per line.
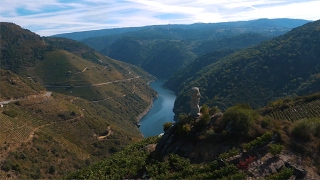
{"x":194,"y":102}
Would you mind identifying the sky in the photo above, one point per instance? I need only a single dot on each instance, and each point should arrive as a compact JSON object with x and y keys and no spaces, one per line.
{"x":49,"y":17}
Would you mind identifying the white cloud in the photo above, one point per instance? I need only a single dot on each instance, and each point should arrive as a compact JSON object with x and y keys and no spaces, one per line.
{"x":60,"y":16}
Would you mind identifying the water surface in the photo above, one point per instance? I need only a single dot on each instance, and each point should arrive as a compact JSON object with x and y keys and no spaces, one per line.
{"x":161,"y":111}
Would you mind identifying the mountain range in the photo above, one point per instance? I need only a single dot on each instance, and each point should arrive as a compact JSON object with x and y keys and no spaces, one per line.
{"x":171,"y":47}
{"x":65,"y":106}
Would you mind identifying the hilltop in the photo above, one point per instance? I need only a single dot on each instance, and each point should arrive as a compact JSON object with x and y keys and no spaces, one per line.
{"x":64,"y":103}
{"x":287,"y":65}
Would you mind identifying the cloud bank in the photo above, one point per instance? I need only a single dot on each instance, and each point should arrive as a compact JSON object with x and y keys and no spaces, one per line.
{"x":51,"y":17}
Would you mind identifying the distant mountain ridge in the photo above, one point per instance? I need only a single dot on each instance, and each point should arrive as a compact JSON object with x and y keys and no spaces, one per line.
{"x":163,"y":49}
{"x":284,"y":66}
{"x":287,"y":23}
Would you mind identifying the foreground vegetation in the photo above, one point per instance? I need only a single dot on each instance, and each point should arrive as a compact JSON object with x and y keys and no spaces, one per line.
{"x":237,"y":144}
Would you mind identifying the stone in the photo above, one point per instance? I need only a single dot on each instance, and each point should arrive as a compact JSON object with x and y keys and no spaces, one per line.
{"x":194,"y":102}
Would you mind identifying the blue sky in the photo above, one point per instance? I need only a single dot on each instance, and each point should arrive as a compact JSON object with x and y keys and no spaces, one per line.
{"x":49,"y":17}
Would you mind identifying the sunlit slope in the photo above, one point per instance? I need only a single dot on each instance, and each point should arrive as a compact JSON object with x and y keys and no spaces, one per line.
{"x":72,"y":68}
{"x":60,"y":129}
{"x":12,"y":86}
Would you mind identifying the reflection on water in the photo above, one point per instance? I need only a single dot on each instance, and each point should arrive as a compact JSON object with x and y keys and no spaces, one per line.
{"x":161,"y":111}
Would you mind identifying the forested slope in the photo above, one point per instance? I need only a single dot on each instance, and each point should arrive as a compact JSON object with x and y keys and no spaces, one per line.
{"x":161,"y":50}
{"x":284,"y":66}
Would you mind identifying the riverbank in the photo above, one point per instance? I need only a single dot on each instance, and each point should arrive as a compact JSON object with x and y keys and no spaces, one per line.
{"x":141,"y":115}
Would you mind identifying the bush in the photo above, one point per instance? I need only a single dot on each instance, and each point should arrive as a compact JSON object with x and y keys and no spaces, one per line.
{"x":230,"y":153}
{"x":275,"y":149}
{"x":265,"y":122}
{"x":306,"y":128}
{"x":166,"y":126}
{"x":265,"y":138}
{"x":214,"y":110}
{"x":11,"y":113}
{"x":241,"y":118}
{"x":204,"y":109}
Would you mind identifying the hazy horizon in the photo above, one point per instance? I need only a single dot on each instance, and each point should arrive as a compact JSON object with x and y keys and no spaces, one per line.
{"x":61,"y":16}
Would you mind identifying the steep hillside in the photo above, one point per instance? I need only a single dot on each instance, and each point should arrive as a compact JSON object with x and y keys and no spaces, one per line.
{"x":13,"y":87}
{"x":47,"y":135}
{"x":72,"y":68}
{"x":193,"y":67}
{"x":65,"y":106}
{"x":163,"y":49}
{"x":284,"y":66}
{"x":19,"y":47}
{"x":238,"y":144}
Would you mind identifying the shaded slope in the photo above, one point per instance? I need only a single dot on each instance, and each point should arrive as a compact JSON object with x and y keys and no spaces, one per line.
{"x":194,"y":66}
{"x":163,"y":49}
{"x":281,"y":67}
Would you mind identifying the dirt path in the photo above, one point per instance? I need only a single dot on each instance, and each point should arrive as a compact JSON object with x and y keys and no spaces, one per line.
{"x":47,"y":94}
{"x":109,"y":133}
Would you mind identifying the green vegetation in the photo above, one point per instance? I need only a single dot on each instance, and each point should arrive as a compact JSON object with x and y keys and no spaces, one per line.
{"x":125,"y":164}
{"x":204,"y":153}
{"x":229,"y":153}
{"x":259,"y":141}
{"x":166,"y":126}
{"x":240,"y":119}
{"x":306,"y":129}
{"x":66,"y":96}
{"x":161,"y":50}
{"x":86,"y":127}
{"x":275,"y":149}
{"x":284,"y":66}
{"x":285,"y":173}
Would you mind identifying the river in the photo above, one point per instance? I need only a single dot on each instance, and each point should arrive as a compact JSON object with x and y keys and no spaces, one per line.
{"x":161,"y":112}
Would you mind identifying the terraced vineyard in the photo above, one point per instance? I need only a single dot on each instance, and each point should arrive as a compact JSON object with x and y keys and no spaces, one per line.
{"x":82,"y":154}
{"x":301,"y":111}
{"x":15,"y":132}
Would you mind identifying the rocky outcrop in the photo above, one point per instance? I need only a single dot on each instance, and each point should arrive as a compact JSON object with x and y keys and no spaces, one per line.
{"x":201,"y":150}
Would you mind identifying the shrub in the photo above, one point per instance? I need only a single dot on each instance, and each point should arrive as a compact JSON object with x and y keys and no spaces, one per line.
{"x":214,"y":110}
{"x":265,"y":122}
{"x":306,"y":128}
{"x":285,"y":173}
{"x":241,"y":118}
{"x":11,"y":113}
{"x":204,"y":109}
{"x":166,"y":126}
{"x":246,"y":163}
{"x":265,"y":138}
{"x":52,"y":169}
{"x":200,"y":125}
{"x":229,"y":154}
{"x":275,"y":149}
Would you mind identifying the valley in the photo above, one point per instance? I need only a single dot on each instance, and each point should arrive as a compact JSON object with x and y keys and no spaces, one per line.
{"x":70,"y":109}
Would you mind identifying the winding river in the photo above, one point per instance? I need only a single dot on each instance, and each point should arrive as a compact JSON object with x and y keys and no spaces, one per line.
{"x":161,"y":112}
